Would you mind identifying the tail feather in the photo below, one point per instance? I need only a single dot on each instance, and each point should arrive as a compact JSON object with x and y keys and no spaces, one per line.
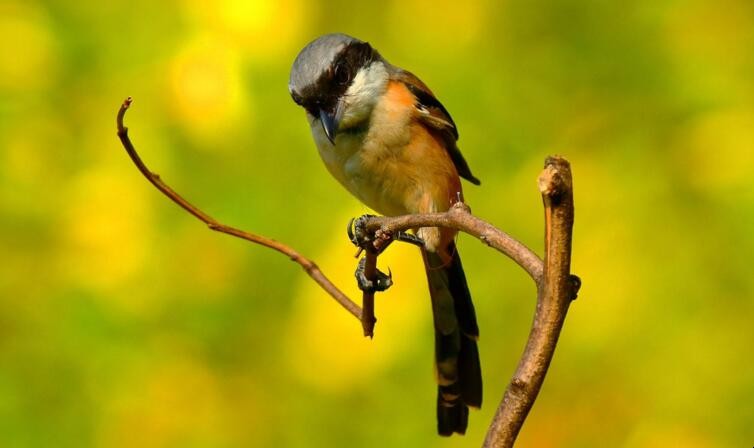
{"x":457,"y":365}
{"x":447,"y":350}
{"x":470,"y":372}
{"x":459,"y":289}
{"x":452,"y":413}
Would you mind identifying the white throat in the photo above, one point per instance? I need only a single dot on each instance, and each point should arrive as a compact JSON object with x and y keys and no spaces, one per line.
{"x":362,"y":95}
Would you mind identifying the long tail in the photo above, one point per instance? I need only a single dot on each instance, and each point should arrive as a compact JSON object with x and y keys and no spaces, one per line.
{"x":459,"y":374}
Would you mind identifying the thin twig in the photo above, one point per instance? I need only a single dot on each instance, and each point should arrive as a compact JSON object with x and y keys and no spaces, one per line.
{"x":367,"y":298}
{"x":555,"y":293}
{"x":309,"y":266}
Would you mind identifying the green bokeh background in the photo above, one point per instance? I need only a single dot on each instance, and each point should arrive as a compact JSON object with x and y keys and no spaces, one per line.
{"x":124,"y":322}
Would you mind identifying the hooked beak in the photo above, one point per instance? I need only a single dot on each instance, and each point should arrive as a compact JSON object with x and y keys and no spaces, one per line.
{"x":330,"y":121}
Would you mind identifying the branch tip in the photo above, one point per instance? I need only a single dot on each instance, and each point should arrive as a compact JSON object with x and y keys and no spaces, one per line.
{"x":555,"y":177}
{"x":122,"y":130}
{"x":550,"y":182}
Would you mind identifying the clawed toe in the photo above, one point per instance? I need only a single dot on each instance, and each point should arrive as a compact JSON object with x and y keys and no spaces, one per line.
{"x":357,"y":231}
{"x":381,"y":282}
{"x":408,"y":238}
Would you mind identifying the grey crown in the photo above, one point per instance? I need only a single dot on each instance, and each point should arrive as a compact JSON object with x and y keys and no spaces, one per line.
{"x":315,"y":59}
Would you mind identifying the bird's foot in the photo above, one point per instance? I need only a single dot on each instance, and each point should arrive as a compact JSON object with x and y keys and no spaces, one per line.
{"x":377,"y":241}
{"x":380,"y":283}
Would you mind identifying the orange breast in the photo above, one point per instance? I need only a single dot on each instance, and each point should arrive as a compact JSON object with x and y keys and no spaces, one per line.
{"x":415,"y":172}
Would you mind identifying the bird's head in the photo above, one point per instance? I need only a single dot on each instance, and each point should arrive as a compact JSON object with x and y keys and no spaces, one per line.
{"x":338,"y":79}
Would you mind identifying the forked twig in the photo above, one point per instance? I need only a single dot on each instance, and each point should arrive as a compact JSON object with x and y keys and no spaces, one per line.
{"x":556,"y":287}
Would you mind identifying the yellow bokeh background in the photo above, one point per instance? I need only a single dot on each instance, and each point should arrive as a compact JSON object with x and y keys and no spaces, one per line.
{"x":126,"y":323}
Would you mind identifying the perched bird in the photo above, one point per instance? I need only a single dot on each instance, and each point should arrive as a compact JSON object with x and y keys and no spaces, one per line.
{"x":386,"y":138}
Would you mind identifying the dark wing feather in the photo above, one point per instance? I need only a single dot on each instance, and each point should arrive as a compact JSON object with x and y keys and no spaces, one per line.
{"x":433,"y":114}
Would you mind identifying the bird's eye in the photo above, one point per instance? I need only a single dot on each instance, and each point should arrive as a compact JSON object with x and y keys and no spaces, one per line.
{"x":341,"y":75}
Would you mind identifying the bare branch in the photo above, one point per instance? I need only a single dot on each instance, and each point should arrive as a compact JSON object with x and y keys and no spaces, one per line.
{"x":309,"y":266}
{"x":556,"y":287}
{"x":459,"y":217}
{"x":554,"y":295}
{"x":367,"y":298}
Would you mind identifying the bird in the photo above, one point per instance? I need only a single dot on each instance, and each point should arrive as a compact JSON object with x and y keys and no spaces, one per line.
{"x":385,"y":137}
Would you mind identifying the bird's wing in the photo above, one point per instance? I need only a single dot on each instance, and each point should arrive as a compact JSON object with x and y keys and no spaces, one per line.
{"x":433,"y":114}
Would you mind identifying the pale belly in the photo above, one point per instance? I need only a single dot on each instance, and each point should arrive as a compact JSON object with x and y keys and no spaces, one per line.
{"x":405,"y":175}
{"x":375,"y":176}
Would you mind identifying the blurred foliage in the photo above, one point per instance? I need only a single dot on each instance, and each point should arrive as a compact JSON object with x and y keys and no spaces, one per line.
{"x":124,"y":322}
